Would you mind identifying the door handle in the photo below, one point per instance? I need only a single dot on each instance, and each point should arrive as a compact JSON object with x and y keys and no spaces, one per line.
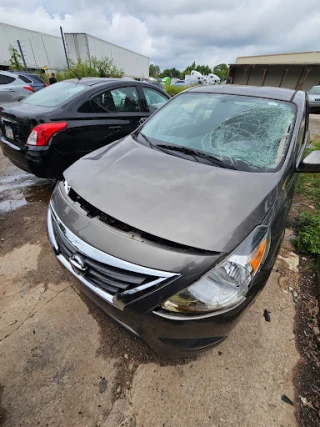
{"x":116,"y":128}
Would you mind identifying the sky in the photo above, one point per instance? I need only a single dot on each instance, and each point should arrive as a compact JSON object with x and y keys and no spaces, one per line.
{"x":174,"y":33}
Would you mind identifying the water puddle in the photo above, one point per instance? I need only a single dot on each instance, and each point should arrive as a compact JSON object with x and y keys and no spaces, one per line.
{"x":20,"y":188}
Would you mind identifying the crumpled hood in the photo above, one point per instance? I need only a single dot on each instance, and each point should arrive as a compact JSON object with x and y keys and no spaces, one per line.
{"x":173,"y":198}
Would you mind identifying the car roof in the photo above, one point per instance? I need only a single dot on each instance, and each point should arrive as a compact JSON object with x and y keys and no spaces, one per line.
{"x":25,"y":73}
{"x":92,"y":81}
{"x":8,"y":73}
{"x":255,"y":91}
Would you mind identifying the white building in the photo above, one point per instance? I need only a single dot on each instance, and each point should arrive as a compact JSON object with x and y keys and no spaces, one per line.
{"x":43,"y":50}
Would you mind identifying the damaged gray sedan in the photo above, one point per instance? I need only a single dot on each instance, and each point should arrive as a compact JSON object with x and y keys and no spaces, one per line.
{"x":174,"y":230}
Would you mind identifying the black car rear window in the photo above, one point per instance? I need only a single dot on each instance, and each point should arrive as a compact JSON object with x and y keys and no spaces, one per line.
{"x":4,"y":80}
{"x":55,"y":94}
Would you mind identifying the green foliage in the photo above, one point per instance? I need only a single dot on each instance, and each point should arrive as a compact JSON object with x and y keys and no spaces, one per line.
{"x":154,"y":71}
{"x":309,"y":183}
{"x":203,"y":69}
{"x":94,"y":67}
{"x":15,"y":58}
{"x":221,"y":71}
{"x":174,"y":90}
{"x":309,"y":227}
{"x":170,"y":72}
{"x":309,"y":233}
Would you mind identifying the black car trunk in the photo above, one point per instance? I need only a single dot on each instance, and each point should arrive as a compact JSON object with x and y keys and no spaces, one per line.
{"x":17,"y":122}
{"x":16,"y":130}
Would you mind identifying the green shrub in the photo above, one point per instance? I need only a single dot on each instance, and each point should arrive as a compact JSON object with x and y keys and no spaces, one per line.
{"x":174,"y":90}
{"x":93,"y":67}
{"x":309,"y":183}
{"x":308,"y":240}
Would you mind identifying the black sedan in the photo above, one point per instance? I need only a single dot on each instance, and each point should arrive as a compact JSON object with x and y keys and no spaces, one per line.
{"x":48,"y":131}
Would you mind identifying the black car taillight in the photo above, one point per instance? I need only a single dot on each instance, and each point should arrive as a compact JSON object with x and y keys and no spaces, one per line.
{"x":41,"y":134}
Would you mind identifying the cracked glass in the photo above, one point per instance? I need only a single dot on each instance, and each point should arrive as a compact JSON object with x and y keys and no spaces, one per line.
{"x":247,"y":133}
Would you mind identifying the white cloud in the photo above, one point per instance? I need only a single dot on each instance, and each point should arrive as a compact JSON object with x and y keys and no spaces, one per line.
{"x":175,"y":33}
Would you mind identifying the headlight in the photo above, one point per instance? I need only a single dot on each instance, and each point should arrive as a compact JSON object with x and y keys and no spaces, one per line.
{"x":225,"y":286}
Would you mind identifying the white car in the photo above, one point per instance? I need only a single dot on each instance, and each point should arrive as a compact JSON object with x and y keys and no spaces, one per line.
{"x":12,"y":87}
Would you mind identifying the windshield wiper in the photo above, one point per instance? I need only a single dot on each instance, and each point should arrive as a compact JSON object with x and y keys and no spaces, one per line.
{"x":146,"y":139}
{"x":196,"y":154}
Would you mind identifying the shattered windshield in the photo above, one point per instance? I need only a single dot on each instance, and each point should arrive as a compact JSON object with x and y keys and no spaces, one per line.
{"x":244,"y":132}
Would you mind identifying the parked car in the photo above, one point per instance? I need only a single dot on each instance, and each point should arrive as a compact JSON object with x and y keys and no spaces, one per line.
{"x":13,"y":87}
{"x":32,"y":79}
{"x":180,"y":83}
{"x":48,"y":131}
{"x":174,"y":230}
{"x":314,"y":99}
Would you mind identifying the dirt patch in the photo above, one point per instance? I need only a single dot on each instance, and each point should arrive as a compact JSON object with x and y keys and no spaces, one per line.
{"x":307,"y":328}
{"x":128,"y":350}
{"x":315,"y":126}
{"x":309,"y":345}
{"x":3,"y":412}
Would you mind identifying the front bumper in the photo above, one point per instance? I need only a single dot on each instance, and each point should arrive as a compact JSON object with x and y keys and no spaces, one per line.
{"x":169,"y":335}
{"x":314,"y":105}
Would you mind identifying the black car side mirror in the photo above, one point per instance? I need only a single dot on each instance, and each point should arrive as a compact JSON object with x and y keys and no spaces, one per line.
{"x":311,"y":163}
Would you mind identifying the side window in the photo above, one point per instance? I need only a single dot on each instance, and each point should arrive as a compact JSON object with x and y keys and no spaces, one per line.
{"x":25,"y":79}
{"x":102,"y":103}
{"x":126,"y":99}
{"x":86,"y":108}
{"x":154,"y":98}
{"x":4,"y":80}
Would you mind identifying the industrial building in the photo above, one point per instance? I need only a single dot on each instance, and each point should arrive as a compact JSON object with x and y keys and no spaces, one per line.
{"x":43,"y":50}
{"x":290,"y":70}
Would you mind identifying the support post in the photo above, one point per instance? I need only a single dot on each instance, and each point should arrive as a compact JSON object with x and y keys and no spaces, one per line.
{"x":265,"y":71}
{"x":64,"y":47}
{"x":283,"y":76}
{"x":22,"y":55}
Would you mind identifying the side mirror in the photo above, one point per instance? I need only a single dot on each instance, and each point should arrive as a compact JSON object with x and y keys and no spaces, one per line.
{"x":311,"y":163}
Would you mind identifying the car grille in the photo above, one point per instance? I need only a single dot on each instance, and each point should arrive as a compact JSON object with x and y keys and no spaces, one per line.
{"x":110,"y":279}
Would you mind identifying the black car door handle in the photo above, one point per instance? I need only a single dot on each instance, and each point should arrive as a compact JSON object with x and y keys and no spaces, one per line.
{"x":115,"y":127}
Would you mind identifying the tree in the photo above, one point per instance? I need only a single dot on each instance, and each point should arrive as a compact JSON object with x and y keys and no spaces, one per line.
{"x":15,"y":58}
{"x":170,"y":72}
{"x":203,"y":69}
{"x":221,"y":71}
{"x":154,"y":71}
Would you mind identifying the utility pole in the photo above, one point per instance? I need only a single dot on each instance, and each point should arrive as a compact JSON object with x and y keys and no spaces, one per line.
{"x":64,"y":46}
{"x":22,"y":55}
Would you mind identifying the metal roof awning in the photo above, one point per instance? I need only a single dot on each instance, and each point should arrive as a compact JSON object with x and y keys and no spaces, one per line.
{"x":306,"y":64}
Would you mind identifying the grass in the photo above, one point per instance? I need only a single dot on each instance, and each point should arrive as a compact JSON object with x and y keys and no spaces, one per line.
{"x":309,"y":183}
{"x":308,"y":240}
{"x":309,"y":233}
{"x":174,"y":90}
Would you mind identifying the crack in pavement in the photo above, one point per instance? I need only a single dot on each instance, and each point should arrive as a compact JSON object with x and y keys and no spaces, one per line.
{"x":32,"y":312}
